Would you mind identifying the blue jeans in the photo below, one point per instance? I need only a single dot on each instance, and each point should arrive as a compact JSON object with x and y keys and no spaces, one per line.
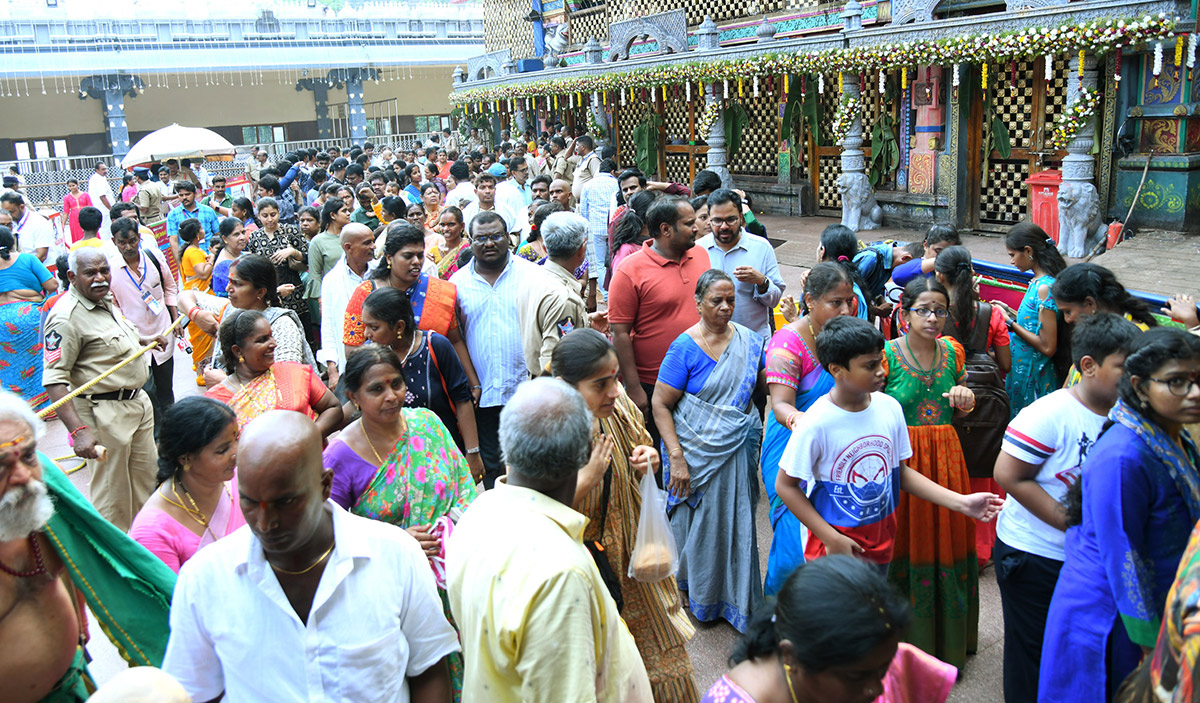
{"x":597,"y":253}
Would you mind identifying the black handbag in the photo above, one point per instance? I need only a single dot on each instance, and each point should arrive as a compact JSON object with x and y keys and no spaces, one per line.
{"x":596,"y":547}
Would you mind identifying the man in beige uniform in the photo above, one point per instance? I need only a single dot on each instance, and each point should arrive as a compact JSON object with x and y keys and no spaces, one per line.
{"x":85,"y":336}
{"x":550,"y":304}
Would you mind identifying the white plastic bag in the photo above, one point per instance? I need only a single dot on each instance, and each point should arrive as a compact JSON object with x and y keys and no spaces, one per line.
{"x":655,"y":556}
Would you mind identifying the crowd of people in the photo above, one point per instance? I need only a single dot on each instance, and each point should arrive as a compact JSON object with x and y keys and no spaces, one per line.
{"x":490,"y":348}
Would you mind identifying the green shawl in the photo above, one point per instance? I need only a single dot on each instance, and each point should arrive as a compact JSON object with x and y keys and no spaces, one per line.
{"x":127,"y":588}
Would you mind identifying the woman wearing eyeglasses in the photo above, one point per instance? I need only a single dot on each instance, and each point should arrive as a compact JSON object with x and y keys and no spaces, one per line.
{"x":1140,"y":497}
{"x":934,"y":561}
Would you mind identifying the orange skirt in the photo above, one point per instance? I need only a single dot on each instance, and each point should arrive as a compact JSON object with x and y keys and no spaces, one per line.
{"x":934,"y":562}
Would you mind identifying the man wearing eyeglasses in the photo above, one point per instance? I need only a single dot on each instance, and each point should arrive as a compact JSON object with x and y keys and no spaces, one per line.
{"x":749,"y":259}
{"x":487,"y":314}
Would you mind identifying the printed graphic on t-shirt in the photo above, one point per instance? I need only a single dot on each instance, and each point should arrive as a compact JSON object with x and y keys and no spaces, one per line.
{"x":861,"y":480}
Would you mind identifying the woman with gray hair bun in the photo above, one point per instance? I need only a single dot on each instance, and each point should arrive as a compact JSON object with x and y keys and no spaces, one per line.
{"x":711,"y":435}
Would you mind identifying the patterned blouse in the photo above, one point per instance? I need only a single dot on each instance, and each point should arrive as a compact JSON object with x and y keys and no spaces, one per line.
{"x":261,"y":242}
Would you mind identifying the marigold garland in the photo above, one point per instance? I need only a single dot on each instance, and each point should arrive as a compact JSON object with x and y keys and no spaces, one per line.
{"x":1097,"y":37}
{"x":848,"y":109}
{"x":1068,"y":123}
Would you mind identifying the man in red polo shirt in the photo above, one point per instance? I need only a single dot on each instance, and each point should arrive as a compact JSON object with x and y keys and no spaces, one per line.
{"x":652,"y":299}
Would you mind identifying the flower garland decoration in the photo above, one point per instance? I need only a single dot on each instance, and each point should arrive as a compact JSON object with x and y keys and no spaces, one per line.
{"x":1096,"y":37}
{"x":848,"y":109}
{"x":704,"y":124}
{"x":1068,"y":123}
{"x":594,"y":127}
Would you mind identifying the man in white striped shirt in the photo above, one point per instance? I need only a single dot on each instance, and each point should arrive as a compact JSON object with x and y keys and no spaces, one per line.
{"x":487,"y":313}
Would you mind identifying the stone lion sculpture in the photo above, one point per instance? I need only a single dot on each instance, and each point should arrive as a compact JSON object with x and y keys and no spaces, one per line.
{"x":860,"y":210}
{"x":558,"y":38}
{"x":1079,"y":224}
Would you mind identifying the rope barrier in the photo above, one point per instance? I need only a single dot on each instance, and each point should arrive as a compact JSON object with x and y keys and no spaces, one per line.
{"x":92,"y":383}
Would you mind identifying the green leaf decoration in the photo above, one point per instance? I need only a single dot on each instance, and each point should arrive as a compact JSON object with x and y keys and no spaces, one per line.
{"x":1000,"y":138}
{"x":645,"y":140}
{"x":736,"y":120}
{"x":813,"y":114}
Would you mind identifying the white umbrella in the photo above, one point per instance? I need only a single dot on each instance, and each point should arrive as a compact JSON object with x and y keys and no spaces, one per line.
{"x":177,"y":142}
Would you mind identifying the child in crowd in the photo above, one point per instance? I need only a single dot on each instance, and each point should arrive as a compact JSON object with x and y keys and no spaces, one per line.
{"x":1034,"y":327}
{"x":934,"y":561}
{"x":850,"y":450}
{"x":1043,"y":449}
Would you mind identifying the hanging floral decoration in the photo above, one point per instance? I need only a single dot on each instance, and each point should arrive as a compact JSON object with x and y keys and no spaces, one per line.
{"x":848,"y":109}
{"x":704,"y":124}
{"x":1096,"y":37}
{"x":1068,"y":123}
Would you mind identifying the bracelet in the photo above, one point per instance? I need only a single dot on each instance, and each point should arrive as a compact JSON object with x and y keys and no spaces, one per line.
{"x":81,"y":427}
{"x":476,"y":388}
{"x":191,"y":314}
{"x":677,"y":450}
{"x":472,"y":450}
{"x":792,"y":416}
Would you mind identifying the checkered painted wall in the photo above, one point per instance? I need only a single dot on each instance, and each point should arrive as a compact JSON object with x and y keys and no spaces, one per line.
{"x":1056,"y":94}
{"x":504,"y":28}
{"x":758,"y":153}
{"x":829,"y":168}
{"x":1002,"y":200}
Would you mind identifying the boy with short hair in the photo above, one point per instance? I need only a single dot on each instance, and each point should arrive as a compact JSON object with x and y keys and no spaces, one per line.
{"x":1040,"y":458}
{"x":844,"y":467}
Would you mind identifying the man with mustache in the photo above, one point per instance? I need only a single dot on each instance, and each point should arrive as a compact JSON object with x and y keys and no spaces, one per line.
{"x":51,"y":542}
{"x":85,"y":335}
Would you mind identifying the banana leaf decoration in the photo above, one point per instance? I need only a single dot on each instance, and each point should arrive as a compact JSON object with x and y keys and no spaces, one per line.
{"x":645,"y":141}
{"x":736,"y":120}
{"x":885,"y":148}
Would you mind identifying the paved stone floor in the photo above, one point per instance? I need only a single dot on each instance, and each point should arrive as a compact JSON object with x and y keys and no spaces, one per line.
{"x":1154,"y":262}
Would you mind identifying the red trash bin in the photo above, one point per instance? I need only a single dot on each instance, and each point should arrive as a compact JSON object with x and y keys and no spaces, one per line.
{"x":1043,"y":200}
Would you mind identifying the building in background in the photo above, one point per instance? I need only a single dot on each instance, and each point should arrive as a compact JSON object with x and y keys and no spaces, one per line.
{"x":905,"y":112}
{"x":81,"y":78}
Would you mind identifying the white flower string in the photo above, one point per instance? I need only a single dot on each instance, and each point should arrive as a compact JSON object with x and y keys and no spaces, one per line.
{"x":954,"y":80}
{"x":1191,"y":51}
{"x":882,"y":82}
{"x":820,"y":83}
{"x":755,"y":86}
{"x":1049,"y":61}
{"x":726,"y":82}
{"x":1158,"y":58}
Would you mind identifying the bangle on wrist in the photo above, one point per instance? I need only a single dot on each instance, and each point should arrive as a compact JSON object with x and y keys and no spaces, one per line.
{"x":472,"y":450}
{"x":77,"y":429}
{"x":675,"y":451}
{"x":476,"y":388}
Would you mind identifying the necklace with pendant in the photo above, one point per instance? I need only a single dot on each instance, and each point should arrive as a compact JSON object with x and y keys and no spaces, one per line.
{"x":926,"y":375}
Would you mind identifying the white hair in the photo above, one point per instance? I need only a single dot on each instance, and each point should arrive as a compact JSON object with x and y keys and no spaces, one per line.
{"x":14,"y":407}
{"x":564,"y":233}
{"x":546,"y":430}
{"x":78,"y":253}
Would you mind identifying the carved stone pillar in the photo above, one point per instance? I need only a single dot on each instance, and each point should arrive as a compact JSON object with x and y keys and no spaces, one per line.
{"x":1079,"y":224}
{"x":717,"y":156}
{"x":859,"y":208}
{"x":860,"y":211}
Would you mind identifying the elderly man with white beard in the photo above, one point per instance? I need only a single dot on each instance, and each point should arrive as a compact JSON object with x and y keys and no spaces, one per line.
{"x":48,"y":530}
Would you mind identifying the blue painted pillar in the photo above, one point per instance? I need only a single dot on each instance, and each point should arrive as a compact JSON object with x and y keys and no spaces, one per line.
{"x":539,"y":31}
{"x":114,"y":121}
{"x":358,"y":115}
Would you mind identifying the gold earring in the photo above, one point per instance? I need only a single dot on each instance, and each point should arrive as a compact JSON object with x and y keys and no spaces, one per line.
{"x":187,"y":466}
{"x":241,"y":359}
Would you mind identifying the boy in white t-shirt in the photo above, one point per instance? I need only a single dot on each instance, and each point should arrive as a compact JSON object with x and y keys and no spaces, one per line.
{"x":843,"y":468}
{"x":1043,"y":448}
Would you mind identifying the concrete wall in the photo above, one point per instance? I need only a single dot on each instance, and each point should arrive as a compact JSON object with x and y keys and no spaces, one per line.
{"x":55,"y":116}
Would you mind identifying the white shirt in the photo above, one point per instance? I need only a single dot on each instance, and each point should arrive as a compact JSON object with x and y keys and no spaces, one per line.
{"x":513,"y":202}
{"x":34,"y":232}
{"x":472,"y":209}
{"x":492,"y":328}
{"x":1054,"y":433}
{"x":461,"y":195}
{"x":98,"y":187}
{"x":376,"y":620}
{"x":336,"y":288}
{"x":850,"y":462}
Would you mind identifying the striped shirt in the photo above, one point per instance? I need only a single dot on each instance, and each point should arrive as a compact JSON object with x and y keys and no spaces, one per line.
{"x":488,"y":315}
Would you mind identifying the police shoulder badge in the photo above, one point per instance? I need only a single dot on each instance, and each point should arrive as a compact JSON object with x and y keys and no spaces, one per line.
{"x":565,"y":326}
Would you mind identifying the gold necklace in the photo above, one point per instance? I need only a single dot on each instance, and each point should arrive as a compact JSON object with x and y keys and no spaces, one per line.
{"x":308,"y":568}
{"x":362,"y":426}
{"x":707,"y":349}
{"x":194,"y":511}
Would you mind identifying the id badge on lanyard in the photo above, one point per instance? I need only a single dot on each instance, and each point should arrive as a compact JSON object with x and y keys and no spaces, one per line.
{"x":152,"y":303}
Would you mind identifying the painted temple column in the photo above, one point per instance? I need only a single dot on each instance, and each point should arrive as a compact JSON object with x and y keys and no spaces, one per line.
{"x":320,"y":91}
{"x":111,"y":90}
{"x":717,"y":156}
{"x":1079,"y":221}
{"x":928,"y":136}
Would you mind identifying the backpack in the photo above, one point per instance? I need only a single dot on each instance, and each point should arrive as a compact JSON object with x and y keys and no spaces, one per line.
{"x":981,"y":432}
{"x":872,"y":267}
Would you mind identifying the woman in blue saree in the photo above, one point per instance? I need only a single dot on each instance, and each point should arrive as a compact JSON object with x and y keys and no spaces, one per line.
{"x":795,"y":380}
{"x":1140,"y":500}
{"x":711,"y":436}
{"x":24,"y":284}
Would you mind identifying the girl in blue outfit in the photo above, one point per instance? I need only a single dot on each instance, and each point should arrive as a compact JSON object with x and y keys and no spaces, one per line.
{"x":839,"y":245}
{"x":795,"y":380}
{"x":1034,"y":327}
{"x":1140,"y":499}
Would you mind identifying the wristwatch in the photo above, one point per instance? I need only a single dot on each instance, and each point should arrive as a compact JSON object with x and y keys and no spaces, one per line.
{"x":472,"y":450}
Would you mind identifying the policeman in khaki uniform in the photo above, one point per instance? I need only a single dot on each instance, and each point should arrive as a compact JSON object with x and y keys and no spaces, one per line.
{"x":551,"y":305}
{"x":86,"y":335}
